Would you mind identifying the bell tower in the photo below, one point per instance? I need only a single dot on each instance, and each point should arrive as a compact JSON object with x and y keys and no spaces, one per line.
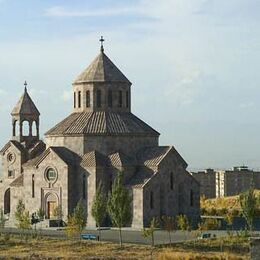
{"x":25,"y":120}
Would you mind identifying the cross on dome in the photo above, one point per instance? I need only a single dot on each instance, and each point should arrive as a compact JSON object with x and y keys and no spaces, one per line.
{"x":25,"y":85}
{"x":101,"y":41}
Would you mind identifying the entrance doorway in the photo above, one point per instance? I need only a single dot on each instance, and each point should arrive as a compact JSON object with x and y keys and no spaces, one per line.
{"x":51,"y":203}
{"x":51,"y":207}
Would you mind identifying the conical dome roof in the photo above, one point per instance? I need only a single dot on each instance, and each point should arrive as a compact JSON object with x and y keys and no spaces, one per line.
{"x":102,"y":69}
{"x":25,"y":106}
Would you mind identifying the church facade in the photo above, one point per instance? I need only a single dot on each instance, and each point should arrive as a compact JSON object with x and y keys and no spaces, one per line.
{"x":99,"y":138}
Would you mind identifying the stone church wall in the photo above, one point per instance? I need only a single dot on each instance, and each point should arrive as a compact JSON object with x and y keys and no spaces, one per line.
{"x":43,"y":187}
{"x":74,"y":143}
{"x":127,"y":144}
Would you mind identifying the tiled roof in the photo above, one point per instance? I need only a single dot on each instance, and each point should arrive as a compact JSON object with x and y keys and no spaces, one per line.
{"x":120,"y":159}
{"x":15,"y":143}
{"x":25,"y":106}
{"x":64,"y":153}
{"x":141,"y":178}
{"x":93,"y":159}
{"x":101,"y":123}
{"x":17,"y":182}
{"x":152,"y":156}
{"x":102,"y":69}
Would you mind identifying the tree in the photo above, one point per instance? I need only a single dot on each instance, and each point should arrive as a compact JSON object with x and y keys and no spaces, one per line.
{"x":248,"y":203}
{"x":119,"y":205}
{"x":22,"y":216}
{"x":77,"y":220}
{"x":71,"y":229}
{"x":58,"y":214}
{"x":183,"y":223}
{"x":41,"y":214}
{"x":149,"y":232}
{"x":2,"y":219}
{"x":99,"y":207}
{"x":169,"y":225}
{"x":229,"y":217}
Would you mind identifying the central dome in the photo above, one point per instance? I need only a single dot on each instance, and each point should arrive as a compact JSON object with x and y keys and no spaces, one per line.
{"x":102,"y":69}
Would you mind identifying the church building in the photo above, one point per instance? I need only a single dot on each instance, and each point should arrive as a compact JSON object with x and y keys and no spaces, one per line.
{"x":99,"y":138}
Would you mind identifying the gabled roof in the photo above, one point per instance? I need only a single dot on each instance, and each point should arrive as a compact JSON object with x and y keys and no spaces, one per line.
{"x":120,"y":159}
{"x":18,"y":182}
{"x":102,"y":69}
{"x":12,"y":142}
{"x":63,"y":153}
{"x":25,"y":106}
{"x":142,"y":177}
{"x":102,"y":122}
{"x":152,"y":156}
{"x":93,"y":159}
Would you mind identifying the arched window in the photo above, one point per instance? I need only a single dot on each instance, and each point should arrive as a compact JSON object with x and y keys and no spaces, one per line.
{"x":127,"y":99}
{"x":79,"y":99}
{"x":33,"y":186}
{"x":181,"y":199}
{"x":51,"y":175}
{"x":34,"y":128}
{"x":84,"y":187}
{"x":87,"y":98}
{"x":110,"y":98}
{"x":26,"y":128}
{"x":74,"y":99}
{"x":120,"y":98}
{"x":98,"y":98}
{"x":171,"y":181}
{"x":7,"y":201}
{"x":191,"y":198}
{"x":151,"y":200}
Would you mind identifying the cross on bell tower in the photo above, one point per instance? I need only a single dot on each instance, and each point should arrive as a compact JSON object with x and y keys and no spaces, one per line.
{"x":101,"y":41}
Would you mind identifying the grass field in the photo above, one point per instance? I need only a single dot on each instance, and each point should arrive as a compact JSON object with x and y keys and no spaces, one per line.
{"x":16,"y":248}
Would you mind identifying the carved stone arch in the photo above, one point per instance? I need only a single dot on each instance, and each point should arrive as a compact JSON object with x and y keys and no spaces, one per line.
{"x":51,"y":202}
{"x":16,"y":126}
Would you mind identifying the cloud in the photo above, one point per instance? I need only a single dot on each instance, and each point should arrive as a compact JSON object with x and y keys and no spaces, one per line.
{"x":148,"y":8}
{"x":186,"y":89}
{"x":59,"y":11}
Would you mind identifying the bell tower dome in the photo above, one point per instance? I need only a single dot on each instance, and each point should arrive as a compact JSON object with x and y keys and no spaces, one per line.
{"x":25,"y":120}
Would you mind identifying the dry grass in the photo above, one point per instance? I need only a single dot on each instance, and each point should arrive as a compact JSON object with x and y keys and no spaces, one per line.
{"x":170,"y":255}
{"x":64,"y":249}
{"x":231,"y":202}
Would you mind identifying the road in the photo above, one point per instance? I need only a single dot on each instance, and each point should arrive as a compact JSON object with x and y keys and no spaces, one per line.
{"x":129,"y":236}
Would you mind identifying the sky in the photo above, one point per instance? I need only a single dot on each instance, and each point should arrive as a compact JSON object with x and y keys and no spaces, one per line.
{"x":194,"y":65}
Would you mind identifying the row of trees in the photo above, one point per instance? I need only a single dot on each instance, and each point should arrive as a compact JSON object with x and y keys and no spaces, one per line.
{"x":117,"y":206}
